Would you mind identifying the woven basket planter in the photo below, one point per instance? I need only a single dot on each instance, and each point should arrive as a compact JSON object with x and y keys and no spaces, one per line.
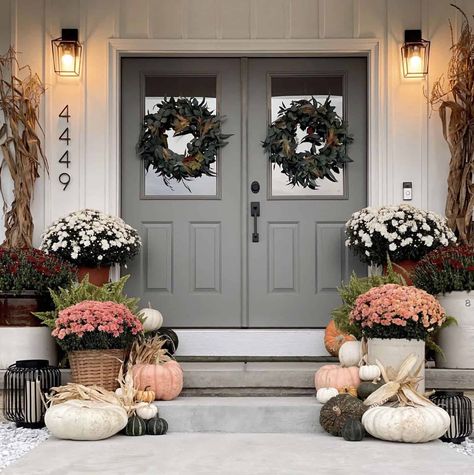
{"x":96,"y":367}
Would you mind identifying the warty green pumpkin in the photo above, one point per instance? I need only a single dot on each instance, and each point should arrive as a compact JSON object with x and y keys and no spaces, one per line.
{"x":338,"y":410}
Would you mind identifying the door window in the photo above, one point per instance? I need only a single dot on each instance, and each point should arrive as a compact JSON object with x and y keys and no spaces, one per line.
{"x":284,"y":90}
{"x":158,"y":88}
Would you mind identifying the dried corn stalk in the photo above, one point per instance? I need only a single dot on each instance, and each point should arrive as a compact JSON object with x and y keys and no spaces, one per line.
{"x":20,"y":95}
{"x":149,"y":351}
{"x":455,"y":103}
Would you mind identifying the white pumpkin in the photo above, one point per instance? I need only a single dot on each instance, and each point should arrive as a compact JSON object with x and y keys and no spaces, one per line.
{"x":152,"y":319}
{"x":406,"y":424}
{"x":350,"y":353}
{"x":146,"y":411}
{"x":369,"y":372}
{"x":324,"y":394}
{"x":85,"y":420}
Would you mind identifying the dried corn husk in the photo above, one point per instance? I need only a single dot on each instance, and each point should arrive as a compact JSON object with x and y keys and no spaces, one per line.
{"x":149,"y":351}
{"x":399,"y":386}
{"x":20,"y":146}
{"x":73,"y":391}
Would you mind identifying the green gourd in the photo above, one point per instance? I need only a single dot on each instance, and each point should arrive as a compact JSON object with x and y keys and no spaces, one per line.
{"x":338,"y":410}
{"x":366,"y":388}
{"x":156,"y":426}
{"x":353,"y":430}
{"x":135,"y":426}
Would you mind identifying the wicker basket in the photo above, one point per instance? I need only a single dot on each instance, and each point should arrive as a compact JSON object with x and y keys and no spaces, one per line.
{"x":96,"y":367}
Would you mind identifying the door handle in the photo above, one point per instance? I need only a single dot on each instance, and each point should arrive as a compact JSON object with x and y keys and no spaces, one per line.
{"x":255,"y":213}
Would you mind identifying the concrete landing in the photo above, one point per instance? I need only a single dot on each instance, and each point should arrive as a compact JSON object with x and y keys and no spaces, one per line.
{"x":240,"y":454}
{"x":242,"y":414}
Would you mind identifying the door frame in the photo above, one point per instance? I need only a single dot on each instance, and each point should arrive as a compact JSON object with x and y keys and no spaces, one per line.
{"x":228,"y":343}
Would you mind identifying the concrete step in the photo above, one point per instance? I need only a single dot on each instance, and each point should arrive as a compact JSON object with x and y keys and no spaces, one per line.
{"x":242,"y":414}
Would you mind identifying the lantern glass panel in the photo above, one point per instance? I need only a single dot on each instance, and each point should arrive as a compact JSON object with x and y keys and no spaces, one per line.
{"x":67,"y":57}
{"x":415,"y":59}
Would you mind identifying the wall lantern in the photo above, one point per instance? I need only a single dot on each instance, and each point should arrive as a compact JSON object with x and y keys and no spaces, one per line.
{"x":67,"y":52}
{"x":415,"y":55}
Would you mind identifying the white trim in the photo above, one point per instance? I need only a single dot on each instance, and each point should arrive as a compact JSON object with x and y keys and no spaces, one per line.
{"x":262,"y":343}
{"x":251,"y":343}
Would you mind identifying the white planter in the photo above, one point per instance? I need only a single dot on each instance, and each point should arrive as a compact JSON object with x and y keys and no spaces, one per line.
{"x":392,"y":353}
{"x":457,"y":341}
{"x":24,"y":343}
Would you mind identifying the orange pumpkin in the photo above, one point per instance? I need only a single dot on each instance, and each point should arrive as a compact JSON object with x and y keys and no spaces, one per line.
{"x":335,"y":376}
{"x":165,"y":380}
{"x":348,"y":390}
{"x":334,"y":339}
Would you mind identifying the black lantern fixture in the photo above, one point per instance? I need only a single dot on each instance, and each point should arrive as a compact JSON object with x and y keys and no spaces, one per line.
{"x":459,"y":408}
{"x":415,"y":55}
{"x":67,"y":53}
{"x":25,"y":384}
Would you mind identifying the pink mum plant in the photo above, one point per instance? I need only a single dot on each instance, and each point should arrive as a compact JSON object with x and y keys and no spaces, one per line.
{"x":92,"y":325}
{"x":397,"y":311}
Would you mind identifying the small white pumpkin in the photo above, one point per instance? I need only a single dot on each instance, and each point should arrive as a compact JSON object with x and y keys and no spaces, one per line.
{"x":324,"y":394}
{"x":152,"y":319}
{"x":85,"y":420}
{"x":350,"y":353}
{"x":146,"y":411}
{"x":369,"y":372}
{"x":407,"y":423}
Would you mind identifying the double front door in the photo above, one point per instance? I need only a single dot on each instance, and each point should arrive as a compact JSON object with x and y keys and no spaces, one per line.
{"x":201,"y":264}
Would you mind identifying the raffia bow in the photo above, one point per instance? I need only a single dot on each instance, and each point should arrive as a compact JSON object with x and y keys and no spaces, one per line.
{"x":399,"y":386}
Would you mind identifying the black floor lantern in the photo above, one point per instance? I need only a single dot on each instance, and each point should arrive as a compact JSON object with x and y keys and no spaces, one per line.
{"x":459,"y":408}
{"x":26,"y":383}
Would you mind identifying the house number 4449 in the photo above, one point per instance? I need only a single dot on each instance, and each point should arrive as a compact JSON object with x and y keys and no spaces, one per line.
{"x":65,"y":178}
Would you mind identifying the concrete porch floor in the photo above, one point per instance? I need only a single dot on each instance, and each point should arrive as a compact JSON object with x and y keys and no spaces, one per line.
{"x":240,"y":454}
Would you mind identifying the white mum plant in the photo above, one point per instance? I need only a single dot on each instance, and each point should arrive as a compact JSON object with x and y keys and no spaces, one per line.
{"x":91,"y":238}
{"x":399,"y":232}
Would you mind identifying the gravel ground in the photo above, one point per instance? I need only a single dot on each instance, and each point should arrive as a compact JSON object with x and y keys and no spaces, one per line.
{"x":15,"y":442}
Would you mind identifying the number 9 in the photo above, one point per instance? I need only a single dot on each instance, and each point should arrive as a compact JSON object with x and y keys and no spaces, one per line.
{"x":65,"y":179}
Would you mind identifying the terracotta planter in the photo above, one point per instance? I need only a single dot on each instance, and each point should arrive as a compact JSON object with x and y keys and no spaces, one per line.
{"x":393,"y":352}
{"x":97,"y":275}
{"x":96,"y":367}
{"x":457,"y":341}
{"x":15,"y":310}
{"x":404,"y":268}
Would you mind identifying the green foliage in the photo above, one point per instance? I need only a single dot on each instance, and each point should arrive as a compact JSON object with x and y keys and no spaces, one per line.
{"x":355,"y":287}
{"x":446,"y":269}
{"x":79,"y":291}
{"x":183,"y":116}
{"x":326,"y":132}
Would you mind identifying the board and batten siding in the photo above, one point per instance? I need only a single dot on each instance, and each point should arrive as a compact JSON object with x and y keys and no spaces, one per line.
{"x":413,"y":145}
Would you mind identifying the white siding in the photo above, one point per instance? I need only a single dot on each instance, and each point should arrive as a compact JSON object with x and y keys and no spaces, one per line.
{"x":414,"y":145}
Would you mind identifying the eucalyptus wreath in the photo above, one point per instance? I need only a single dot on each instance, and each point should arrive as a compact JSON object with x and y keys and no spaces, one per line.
{"x":325,"y":131}
{"x":183,"y":116}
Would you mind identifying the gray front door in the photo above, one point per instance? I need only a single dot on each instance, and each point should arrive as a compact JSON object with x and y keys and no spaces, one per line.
{"x":199,"y":264}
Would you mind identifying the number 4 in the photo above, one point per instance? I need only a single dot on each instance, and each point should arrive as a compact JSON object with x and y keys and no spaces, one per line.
{"x":65,"y":159}
{"x":65,"y":113}
{"x":65,"y":135}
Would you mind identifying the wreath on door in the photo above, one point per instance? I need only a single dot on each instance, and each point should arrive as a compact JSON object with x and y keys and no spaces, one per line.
{"x":183,"y":116}
{"x":325,"y":131}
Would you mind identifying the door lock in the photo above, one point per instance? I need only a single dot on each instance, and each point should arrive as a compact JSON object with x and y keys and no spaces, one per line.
{"x":255,"y":213}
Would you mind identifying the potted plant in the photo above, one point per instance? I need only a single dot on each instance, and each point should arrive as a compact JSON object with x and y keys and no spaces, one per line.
{"x":96,"y":336}
{"x":93,"y":241}
{"x":26,"y":275}
{"x":448,"y":273}
{"x":396,"y":320}
{"x":402,"y":233}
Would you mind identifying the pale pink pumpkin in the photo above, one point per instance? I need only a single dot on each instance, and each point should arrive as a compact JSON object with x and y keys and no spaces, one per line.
{"x":166,"y":379}
{"x":335,"y":376}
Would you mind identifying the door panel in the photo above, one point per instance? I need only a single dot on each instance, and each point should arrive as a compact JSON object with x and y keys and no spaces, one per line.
{"x":302,"y":231}
{"x":191,"y":259}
